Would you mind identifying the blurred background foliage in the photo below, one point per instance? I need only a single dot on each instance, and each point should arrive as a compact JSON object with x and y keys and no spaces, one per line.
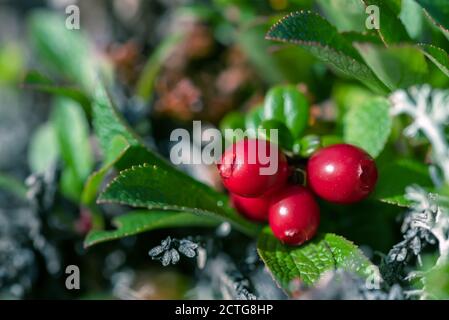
{"x":168,"y":62}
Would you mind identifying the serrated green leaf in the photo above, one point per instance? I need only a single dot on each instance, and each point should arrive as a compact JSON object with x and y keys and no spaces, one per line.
{"x":396,"y":176}
{"x":316,"y":35}
{"x":438,"y":10}
{"x":397,"y":66}
{"x":437,"y":55}
{"x":44,"y":148}
{"x":64,"y":51}
{"x":72,"y":132}
{"x":391,"y":29}
{"x":109,"y":123}
{"x":152,"y":187}
{"x":306,"y":26}
{"x":289,"y":106}
{"x":136,"y":222}
{"x":152,"y":191}
{"x":309,"y":261}
{"x":361,"y":130}
{"x":127,"y":151}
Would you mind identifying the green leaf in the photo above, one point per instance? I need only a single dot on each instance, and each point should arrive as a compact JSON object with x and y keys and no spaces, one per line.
{"x":438,"y":10}
{"x":44,"y":148}
{"x":329,"y":140}
{"x":289,"y":106}
{"x":152,"y":187}
{"x":395,"y":177}
{"x":12,"y":62}
{"x":436,"y":282}
{"x":437,"y":55}
{"x":250,"y":40}
{"x":368,"y":125}
{"x":370,"y":222}
{"x":352,"y":37}
{"x":136,"y":222}
{"x":70,"y":184}
{"x":145,"y":84}
{"x":347,"y":96}
{"x":352,"y":18}
{"x":321,"y":39}
{"x":397,"y":66}
{"x":309,"y":261}
{"x":253,"y":119}
{"x":72,"y":131}
{"x":234,"y":121}
{"x":36,"y":81}
{"x":119,"y":146}
{"x":306,"y":26}
{"x":412,"y":16}
{"x":14,"y":186}
{"x":66,"y":52}
{"x":284,"y":137}
{"x":391,"y":29}
{"x":307,"y":145}
{"x":107,"y":122}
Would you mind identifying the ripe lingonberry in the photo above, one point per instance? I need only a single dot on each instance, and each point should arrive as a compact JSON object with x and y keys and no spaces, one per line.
{"x":294,"y":215}
{"x":255,"y":209}
{"x":342,"y":173}
{"x":253,"y":167}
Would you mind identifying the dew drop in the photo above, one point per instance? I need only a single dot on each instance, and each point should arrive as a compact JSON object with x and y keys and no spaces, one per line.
{"x":219,"y":203}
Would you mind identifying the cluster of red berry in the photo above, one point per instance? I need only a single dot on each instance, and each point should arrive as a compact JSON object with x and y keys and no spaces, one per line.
{"x":339,"y":173}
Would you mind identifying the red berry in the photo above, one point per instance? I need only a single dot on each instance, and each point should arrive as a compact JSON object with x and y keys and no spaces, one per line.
{"x":252,"y":167}
{"x":255,"y":209}
{"x":342,"y":173}
{"x":294,"y":215}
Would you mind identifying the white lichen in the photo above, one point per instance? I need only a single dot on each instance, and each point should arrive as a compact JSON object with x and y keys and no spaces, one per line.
{"x":427,"y":214}
{"x":428,"y":217}
{"x":429,"y":109}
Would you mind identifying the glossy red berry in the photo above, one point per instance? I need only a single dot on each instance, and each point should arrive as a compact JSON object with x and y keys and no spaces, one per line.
{"x":342,"y":173}
{"x":253,"y":167}
{"x":294,"y":215}
{"x":255,"y":209}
